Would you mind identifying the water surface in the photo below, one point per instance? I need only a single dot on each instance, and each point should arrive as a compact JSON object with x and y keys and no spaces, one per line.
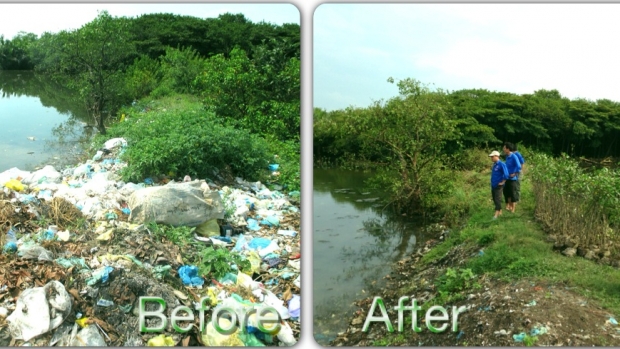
{"x":355,"y":243}
{"x":40,"y":121}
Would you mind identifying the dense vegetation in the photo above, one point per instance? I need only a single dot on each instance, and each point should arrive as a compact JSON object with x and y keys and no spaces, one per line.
{"x":244,"y":76}
{"x":420,"y":137}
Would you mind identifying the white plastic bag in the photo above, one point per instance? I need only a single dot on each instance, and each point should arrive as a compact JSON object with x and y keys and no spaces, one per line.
{"x":39,"y":310}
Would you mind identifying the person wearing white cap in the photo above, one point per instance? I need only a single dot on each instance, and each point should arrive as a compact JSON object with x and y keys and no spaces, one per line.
{"x":499,"y":175}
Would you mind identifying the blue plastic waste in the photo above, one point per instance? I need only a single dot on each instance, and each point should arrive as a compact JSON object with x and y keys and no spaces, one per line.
{"x":272,"y":262}
{"x":222,"y":238}
{"x":47,"y":235}
{"x":111,"y":216}
{"x":613,"y":321}
{"x":273,"y":167}
{"x":126,"y":211}
{"x":28,"y":198}
{"x":10,"y":246}
{"x":240,"y":243}
{"x":229,"y":277}
{"x":271,"y":255}
{"x":253,"y":224}
{"x":259,"y":243}
{"x":100,"y":275}
{"x":148,"y":181}
{"x":189,"y":275}
{"x":458,"y":336}
{"x":519,"y":337}
{"x":271,"y":221}
{"x":287,"y":275}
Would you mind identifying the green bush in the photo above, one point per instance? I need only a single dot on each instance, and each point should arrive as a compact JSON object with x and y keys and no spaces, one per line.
{"x":185,"y":141}
{"x":142,"y":77}
{"x":288,"y":157}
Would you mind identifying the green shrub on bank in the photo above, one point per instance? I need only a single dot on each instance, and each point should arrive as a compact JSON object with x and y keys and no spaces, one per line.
{"x":288,"y":157}
{"x":186,"y":141}
{"x":581,"y":204}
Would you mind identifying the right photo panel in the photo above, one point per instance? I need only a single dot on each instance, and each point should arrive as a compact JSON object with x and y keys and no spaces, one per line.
{"x":466,"y":175}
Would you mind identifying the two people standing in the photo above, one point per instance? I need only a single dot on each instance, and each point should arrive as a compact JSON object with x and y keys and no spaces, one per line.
{"x":505,"y":178}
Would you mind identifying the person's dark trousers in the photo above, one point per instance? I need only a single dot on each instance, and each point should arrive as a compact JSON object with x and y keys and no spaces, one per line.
{"x":496,"y":193}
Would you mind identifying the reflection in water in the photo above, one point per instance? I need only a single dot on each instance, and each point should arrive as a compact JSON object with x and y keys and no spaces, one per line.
{"x":42,"y":122}
{"x":355,"y":243}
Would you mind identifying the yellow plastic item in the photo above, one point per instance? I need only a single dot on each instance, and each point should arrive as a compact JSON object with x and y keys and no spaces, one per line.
{"x":212,"y":295}
{"x":14,"y":184}
{"x":161,"y":341}
{"x":268,"y":325}
{"x":213,"y":338}
{"x":82,"y":322}
{"x":208,"y":228}
{"x":122,"y":118}
{"x":106,"y":236}
{"x":255,"y":262}
{"x":244,"y":280}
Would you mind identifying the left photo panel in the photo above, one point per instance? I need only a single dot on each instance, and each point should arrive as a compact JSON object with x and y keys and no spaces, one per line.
{"x":150,"y":175}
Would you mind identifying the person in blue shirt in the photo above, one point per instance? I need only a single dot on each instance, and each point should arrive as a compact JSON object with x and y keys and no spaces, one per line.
{"x":499,"y":176}
{"x":522,"y":161}
{"x":511,"y":188}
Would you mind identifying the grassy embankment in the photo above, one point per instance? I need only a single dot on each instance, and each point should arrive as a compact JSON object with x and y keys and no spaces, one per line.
{"x":515,"y":247}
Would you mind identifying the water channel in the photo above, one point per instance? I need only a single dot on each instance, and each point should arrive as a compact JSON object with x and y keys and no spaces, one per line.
{"x":355,"y":243}
{"x":41,"y":122}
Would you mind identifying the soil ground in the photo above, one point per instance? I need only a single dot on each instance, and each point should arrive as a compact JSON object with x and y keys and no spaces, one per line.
{"x":495,"y":312}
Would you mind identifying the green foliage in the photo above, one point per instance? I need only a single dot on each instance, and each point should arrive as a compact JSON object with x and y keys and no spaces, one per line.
{"x":180,"y":68}
{"x":414,"y":128}
{"x":92,"y":61}
{"x":250,"y":96}
{"x":180,"y":236}
{"x":16,"y":54}
{"x":566,"y":194}
{"x":287,"y":155}
{"x":486,"y":238}
{"x":218,"y":262}
{"x":456,"y":280}
{"x":187,"y":141}
{"x":142,"y":77}
{"x":529,"y":341}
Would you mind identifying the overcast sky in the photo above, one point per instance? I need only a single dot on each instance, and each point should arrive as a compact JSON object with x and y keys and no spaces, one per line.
{"x":517,"y":48}
{"x":39,"y":18}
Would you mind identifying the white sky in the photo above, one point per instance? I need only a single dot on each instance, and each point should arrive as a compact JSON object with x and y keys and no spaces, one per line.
{"x":39,"y":18}
{"x":517,"y":48}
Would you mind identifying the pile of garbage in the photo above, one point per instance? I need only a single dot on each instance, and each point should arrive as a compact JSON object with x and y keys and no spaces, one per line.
{"x":81,"y":248}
